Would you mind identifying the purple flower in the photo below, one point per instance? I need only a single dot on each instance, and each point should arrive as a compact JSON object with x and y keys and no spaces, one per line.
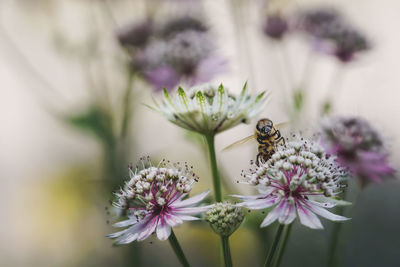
{"x":300,"y":180}
{"x":187,"y":57}
{"x":358,"y":146}
{"x":332,"y":34}
{"x":154,"y":201}
{"x":275,"y":26}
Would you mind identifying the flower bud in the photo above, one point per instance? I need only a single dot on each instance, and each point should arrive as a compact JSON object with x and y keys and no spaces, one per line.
{"x":225,"y":218}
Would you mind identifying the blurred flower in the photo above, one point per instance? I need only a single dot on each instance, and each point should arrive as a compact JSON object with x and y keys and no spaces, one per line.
{"x":181,"y":52}
{"x":300,"y":177}
{"x":153,"y":201}
{"x":224,"y":218}
{"x":332,"y":34}
{"x":209,"y":110}
{"x":137,"y":34}
{"x":358,"y":146}
{"x":315,"y":21}
{"x":275,"y":26}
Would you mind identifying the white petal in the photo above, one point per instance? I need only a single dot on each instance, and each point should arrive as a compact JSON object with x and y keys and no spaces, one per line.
{"x":271,"y":217}
{"x":190,"y":201}
{"x":148,"y":229}
{"x":126,"y":222}
{"x":324,"y":199}
{"x":308,"y":218}
{"x":193,"y":210}
{"x":326,"y":214}
{"x":188,"y":218}
{"x":259,"y":203}
{"x":117,"y":234}
{"x":288,"y":213}
{"x":248,"y":197}
{"x":127,"y":238}
{"x":172,"y":220}
{"x":163,"y":230}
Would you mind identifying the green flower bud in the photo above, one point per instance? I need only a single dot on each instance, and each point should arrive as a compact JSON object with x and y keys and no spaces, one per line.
{"x":225,"y":218}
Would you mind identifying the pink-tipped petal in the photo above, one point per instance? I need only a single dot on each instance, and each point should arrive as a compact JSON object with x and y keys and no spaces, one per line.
{"x":259,"y":203}
{"x":308,"y":218}
{"x":149,"y":228}
{"x":288,"y":213}
{"x":163,"y":230}
{"x":172,"y":220}
{"x":326,"y":214}
{"x":271,"y":217}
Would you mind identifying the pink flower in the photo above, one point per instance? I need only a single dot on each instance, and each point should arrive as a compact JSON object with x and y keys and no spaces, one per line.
{"x":153,"y":200}
{"x":299,"y":180}
{"x":358,"y":146}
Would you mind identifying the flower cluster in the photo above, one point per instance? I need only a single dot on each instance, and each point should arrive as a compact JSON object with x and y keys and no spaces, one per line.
{"x":358,"y":146}
{"x":153,"y":200}
{"x":300,"y":179}
{"x":210,"y":110}
{"x":332,"y":33}
{"x":181,"y":50}
{"x":225,"y":218}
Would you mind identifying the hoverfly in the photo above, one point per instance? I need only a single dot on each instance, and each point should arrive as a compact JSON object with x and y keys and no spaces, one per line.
{"x":268,"y":137}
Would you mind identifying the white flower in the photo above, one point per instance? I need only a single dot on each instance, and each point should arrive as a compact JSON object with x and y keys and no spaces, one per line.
{"x":210,"y":110}
{"x":300,"y":182}
{"x":159,"y":205}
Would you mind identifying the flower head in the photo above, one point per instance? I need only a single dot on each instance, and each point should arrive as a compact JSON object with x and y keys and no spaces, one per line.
{"x":300,"y":180}
{"x":209,"y":110}
{"x":358,"y":146}
{"x":332,"y":34}
{"x":275,"y":26}
{"x":153,"y":200}
{"x":225,"y":218}
{"x":181,"y":51}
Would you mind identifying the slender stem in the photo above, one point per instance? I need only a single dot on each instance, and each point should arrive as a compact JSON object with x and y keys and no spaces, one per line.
{"x":214,"y":168}
{"x":127,"y":103}
{"x":335,"y":235}
{"x":177,"y":249}
{"x":227,"y":251}
{"x":272,"y":251}
{"x":288,"y":229}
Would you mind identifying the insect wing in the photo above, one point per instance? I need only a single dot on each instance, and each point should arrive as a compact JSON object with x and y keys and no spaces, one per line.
{"x":240,"y":142}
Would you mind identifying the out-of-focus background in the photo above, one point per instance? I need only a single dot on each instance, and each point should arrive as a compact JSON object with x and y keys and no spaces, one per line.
{"x":59,"y":59}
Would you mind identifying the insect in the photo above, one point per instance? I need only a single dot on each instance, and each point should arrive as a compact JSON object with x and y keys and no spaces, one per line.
{"x":268,"y":137}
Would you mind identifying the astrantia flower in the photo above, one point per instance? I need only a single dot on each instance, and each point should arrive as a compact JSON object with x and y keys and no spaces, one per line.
{"x":358,"y":146}
{"x":332,"y":34}
{"x":209,"y":110}
{"x":181,"y":51}
{"x":300,"y":180}
{"x":225,"y":218}
{"x":154,"y":201}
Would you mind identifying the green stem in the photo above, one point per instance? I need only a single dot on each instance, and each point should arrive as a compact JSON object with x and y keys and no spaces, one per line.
{"x":333,"y":244}
{"x":335,"y":234}
{"x":272,"y":251}
{"x":177,"y":249}
{"x":288,"y":229}
{"x":214,"y":168}
{"x":227,"y":251}
{"x":127,"y":103}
